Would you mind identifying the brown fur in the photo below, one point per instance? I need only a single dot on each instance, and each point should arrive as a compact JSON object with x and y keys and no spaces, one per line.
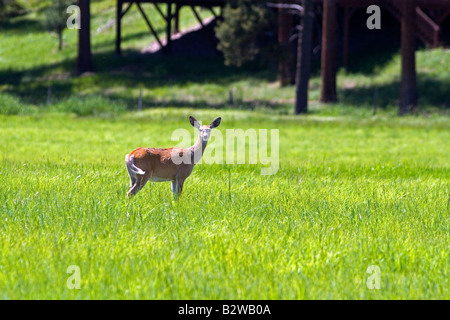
{"x":159,"y":166}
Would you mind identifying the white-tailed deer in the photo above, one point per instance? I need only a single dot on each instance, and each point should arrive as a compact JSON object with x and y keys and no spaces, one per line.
{"x":170,"y":164}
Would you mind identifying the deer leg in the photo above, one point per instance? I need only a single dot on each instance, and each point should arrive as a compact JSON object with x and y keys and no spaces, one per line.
{"x":132,"y":191}
{"x":133,"y":183}
{"x":175,"y":188}
{"x":132,"y":177}
{"x":133,"y":180}
{"x":180,"y":186}
{"x":139,"y":183}
{"x":133,"y":188}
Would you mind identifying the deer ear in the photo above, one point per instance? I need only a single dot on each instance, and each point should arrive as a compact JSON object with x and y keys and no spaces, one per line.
{"x":194,"y":122}
{"x":215,"y":123}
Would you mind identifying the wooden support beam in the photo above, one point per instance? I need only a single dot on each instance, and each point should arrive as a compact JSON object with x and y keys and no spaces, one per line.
{"x":304,"y":50}
{"x":119,"y":15}
{"x":211,"y":38}
{"x":408,"y":93}
{"x":199,"y":19}
{"x":149,"y":25}
{"x":177,"y":18}
{"x":213,"y":12}
{"x":168,"y":48}
{"x":286,"y":63}
{"x":126,"y":9}
{"x":328,"y":55}
{"x":160,"y":11}
{"x":442,"y":15}
{"x":168,"y":18}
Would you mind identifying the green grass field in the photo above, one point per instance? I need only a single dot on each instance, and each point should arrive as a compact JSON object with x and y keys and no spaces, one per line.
{"x":355,"y":188}
{"x":350,"y":193}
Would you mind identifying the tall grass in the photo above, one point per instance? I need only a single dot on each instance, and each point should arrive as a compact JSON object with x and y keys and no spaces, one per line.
{"x":355,"y":188}
{"x":349,"y":194}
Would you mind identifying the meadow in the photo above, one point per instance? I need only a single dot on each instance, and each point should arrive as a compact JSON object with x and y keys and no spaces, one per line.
{"x":357,"y":186}
{"x":350,"y":193}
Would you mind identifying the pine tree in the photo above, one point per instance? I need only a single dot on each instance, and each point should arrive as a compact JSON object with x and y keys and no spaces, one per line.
{"x":56,"y":18}
{"x":9,"y":8}
{"x":240,"y":32}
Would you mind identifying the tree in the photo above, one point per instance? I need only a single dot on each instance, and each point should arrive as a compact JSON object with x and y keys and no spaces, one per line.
{"x":242,"y":29}
{"x":408,"y":93}
{"x":84,"y":61}
{"x":56,"y":18}
{"x":304,"y":58}
{"x":286,"y":58}
{"x":9,"y":8}
{"x":328,"y":58}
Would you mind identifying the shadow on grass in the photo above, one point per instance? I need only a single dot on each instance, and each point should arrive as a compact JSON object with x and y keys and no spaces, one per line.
{"x":21,"y":25}
{"x":151,"y":71}
{"x":431,"y":92}
{"x":132,"y":70}
{"x":148,"y":103}
{"x":195,"y":60}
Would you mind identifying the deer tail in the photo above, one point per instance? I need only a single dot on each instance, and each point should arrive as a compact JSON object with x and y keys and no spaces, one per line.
{"x":129,"y":160}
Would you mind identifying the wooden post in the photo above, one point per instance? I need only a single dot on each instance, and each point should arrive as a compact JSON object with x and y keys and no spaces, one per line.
{"x":84,"y":60}
{"x":286,"y":63}
{"x":328,"y":55}
{"x":304,"y":45}
{"x":118,"y":26}
{"x":49,"y":95}
{"x":408,"y":93}
{"x":197,"y":16}
{"x":168,"y":47}
{"x":176,"y":28}
{"x":147,"y":21}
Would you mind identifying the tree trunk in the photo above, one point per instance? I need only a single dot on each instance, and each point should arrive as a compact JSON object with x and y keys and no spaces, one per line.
{"x":84,"y":61}
{"x":168,"y":47}
{"x":286,"y":64}
{"x":328,"y":56}
{"x":304,"y":59}
{"x":408,"y":93}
